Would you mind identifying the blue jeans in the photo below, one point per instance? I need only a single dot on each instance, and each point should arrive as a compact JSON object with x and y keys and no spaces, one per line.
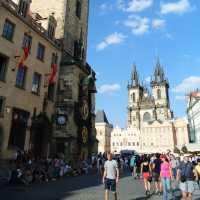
{"x":174,"y":170}
{"x":166,"y":187}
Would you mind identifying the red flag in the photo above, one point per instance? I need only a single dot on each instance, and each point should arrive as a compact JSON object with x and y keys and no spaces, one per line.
{"x":23,"y":57}
{"x":53,"y":74}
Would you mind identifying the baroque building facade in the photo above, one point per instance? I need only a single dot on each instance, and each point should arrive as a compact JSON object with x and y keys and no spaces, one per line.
{"x":74,"y":127}
{"x":103,"y":130}
{"x":150,"y":118}
{"x":193,"y":114}
{"x":28,"y":54}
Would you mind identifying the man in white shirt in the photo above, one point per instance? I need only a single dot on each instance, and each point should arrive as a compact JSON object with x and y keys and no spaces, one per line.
{"x":110,"y":176}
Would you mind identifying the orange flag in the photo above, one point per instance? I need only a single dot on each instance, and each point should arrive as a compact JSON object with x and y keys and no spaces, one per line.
{"x":53,"y":74}
{"x":23,"y":57}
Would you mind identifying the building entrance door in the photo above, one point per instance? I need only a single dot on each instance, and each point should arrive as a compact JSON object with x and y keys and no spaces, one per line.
{"x":18,"y":128}
{"x":40,"y":135}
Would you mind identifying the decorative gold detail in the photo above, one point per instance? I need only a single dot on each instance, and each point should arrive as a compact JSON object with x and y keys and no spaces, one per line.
{"x":84,"y":135}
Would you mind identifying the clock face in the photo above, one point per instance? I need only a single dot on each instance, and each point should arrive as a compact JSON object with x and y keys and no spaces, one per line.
{"x":61,"y":120}
{"x":85,"y":110}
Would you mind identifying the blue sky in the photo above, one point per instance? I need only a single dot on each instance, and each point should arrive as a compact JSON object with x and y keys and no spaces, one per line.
{"x":123,"y":32}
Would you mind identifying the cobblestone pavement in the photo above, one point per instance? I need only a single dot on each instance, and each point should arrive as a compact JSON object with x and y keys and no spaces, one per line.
{"x":78,"y":188}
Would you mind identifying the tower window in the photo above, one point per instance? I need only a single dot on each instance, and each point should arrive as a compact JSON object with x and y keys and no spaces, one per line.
{"x":159,"y":94}
{"x":51,"y":92}
{"x":40,"y":51}
{"x":36,"y":83}
{"x":3,"y":67}
{"x":133,"y":97}
{"x":146,"y":117}
{"x":27,"y":41}
{"x":2,"y":104}
{"x":78,"y":9}
{"x":23,"y":7}
{"x":20,"y":79}
{"x":8,"y":30}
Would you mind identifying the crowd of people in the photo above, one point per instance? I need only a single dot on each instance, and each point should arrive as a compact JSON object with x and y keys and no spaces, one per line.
{"x":162,"y":173}
{"x":25,"y":169}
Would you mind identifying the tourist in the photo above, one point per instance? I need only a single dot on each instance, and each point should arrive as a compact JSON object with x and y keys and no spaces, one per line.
{"x":156,"y":173}
{"x":166,"y":175}
{"x":110,"y":176}
{"x":197,"y":169}
{"x":133,"y":165}
{"x":174,"y":164}
{"x":146,"y":173}
{"x":186,"y":174}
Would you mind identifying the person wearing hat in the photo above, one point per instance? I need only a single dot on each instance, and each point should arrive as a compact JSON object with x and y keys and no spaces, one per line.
{"x":186,"y":174}
{"x":197,"y":169}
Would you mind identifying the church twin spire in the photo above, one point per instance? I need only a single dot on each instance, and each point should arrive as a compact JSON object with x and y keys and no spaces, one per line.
{"x":158,"y":76}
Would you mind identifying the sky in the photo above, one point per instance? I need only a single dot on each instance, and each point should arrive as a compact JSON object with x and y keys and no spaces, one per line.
{"x":124,"y":32}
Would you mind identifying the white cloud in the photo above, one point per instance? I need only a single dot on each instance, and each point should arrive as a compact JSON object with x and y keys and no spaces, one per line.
{"x":138,"y":5}
{"x":187,"y":85}
{"x":178,"y":7}
{"x":121,"y":5}
{"x":105,"y":7}
{"x":148,"y":79}
{"x":158,"y":23}
{"x":134,"y":5}
{"x":180,"y":97}
{"x":113,"y":39}
{"x":109,"y":88}
{"x":138,"y":24}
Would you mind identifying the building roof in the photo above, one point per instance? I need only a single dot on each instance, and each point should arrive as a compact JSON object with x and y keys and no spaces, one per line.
{"x":101,"y":117}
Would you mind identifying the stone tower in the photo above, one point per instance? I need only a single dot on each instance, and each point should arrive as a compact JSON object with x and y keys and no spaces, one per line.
{"x":76,"y":89}
{"x":72,"y":19}
{"x":134,"y":97}
{"x":160,"y":92}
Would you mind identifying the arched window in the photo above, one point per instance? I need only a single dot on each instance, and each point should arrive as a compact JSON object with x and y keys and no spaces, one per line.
{"x":133,"y":97}
{"x":159,"y":94}
{"x":146,"y":117}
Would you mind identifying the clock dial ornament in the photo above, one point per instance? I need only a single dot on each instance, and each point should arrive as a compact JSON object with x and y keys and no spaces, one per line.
{"x":84,"y":110}
{"x":84,"y":134}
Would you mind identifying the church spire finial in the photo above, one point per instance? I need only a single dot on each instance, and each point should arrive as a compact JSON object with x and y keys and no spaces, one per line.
{"x":134,"y":76}
{"x":159,"y":75}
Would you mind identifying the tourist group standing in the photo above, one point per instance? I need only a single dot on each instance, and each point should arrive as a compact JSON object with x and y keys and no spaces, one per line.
{"x":164,"y":173}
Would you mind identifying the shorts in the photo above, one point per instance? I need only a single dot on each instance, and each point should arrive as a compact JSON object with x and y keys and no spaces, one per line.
{"x":110,"y":184}
{"x":187,"y":186}
{"x":146,"y":175}
{"x":156,"y":177}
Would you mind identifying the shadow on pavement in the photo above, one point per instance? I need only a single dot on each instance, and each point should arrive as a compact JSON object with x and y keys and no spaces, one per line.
{"x":57,"y":190}
{"x":140,"y":198}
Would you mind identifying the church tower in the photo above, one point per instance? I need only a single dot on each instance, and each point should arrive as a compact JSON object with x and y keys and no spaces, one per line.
{"x":160,"y":91}
{"x":134,"y":97}
{"x":72,"y":22}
